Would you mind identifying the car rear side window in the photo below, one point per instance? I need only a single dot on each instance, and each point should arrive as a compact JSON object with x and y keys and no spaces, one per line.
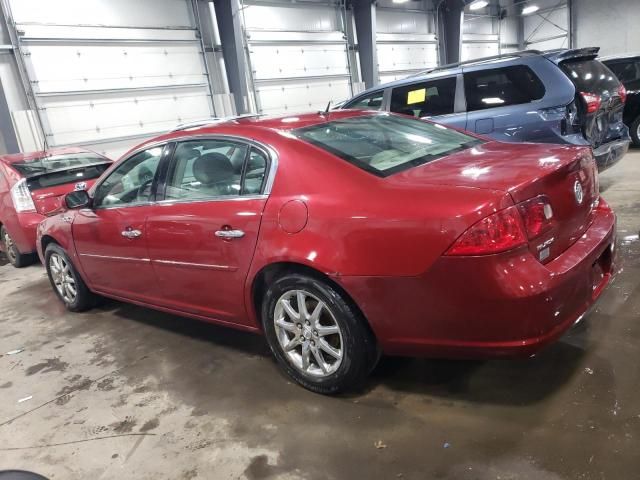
{"x":425,"y":99}
{"x":385,"y":144}
{"x":590,"y":76}
{"x":372,"y":101}
{"x":500,"y":87}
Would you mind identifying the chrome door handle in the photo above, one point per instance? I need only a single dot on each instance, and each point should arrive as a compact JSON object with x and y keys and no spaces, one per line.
{"x":228,"y":234}
{"x":130,"y":233}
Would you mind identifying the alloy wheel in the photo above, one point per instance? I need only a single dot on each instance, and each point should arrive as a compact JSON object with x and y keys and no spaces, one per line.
{"x":308,"y":333}
{"x":62,"y":278}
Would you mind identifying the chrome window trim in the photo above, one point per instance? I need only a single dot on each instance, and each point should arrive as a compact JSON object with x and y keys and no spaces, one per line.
{"x":121,"y":259}
{"x":205,"y":266}
{"x":269,"y":151}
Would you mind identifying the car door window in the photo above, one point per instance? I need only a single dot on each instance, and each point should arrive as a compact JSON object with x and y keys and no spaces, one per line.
{"x":500,"y":87}
{"x":204,"y":169}
{"x":131,"y":182}
{"x":425,"y":99}
{"x":372,"y":101}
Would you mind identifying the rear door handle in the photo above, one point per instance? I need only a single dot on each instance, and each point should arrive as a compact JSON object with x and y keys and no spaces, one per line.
{"x":229,"y":234}
{"x":131,"y":233}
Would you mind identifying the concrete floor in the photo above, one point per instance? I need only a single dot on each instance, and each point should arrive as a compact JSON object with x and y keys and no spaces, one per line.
{"x":128,"y":393}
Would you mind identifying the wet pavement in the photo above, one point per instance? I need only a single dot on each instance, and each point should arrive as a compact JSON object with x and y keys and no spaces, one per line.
{"x":122,"y":392}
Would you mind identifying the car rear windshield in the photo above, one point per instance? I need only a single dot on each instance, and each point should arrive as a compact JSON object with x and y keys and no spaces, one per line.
{"x":590,"y":76}
{"x":62,"y":177}
{"x":385,"y":144}
{"x":55,"y":163}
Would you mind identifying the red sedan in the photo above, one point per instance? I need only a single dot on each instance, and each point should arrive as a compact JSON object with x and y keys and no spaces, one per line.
{"x":32,"y":186}
{"x":343,"y":235}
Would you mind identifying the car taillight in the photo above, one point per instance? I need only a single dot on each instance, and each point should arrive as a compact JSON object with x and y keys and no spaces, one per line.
{"x":592,"y":100}
{"x":623,"y":93}
{"x":496,"y":233}
{"x":537,"y":215}
{"x":21,"y":197}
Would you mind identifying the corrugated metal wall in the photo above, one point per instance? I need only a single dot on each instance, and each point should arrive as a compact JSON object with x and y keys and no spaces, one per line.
{"x":298,"y":56}
{"x":548,"y":28}
{"x":104,"y":72}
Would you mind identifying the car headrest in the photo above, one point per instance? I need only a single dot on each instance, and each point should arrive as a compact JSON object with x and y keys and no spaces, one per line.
{"x":186,"y":152}
{"x":212,"y":168}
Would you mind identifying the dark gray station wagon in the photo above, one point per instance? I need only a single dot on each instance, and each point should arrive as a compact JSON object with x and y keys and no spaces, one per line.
{"x":561,"y":96}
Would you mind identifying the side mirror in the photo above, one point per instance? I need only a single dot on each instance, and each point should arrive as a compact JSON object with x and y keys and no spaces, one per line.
{"x":76,"y":200}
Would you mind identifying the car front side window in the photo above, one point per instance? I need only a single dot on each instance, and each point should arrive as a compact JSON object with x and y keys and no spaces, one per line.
{"x":425,"y":99}
{"x":372,"y":101}
{"x":131,"y":182}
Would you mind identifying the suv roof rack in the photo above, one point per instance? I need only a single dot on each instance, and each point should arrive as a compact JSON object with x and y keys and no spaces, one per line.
{"x":212,"y":121}
{"x":520,"y":53}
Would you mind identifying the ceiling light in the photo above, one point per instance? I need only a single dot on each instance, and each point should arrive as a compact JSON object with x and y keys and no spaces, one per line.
{"x":400,"y":1}
{"x":530,"y":9}
{"x":478,"y":4}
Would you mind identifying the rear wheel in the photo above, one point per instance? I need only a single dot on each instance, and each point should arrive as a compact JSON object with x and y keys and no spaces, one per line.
{"x":635,"y":132}
{"x":66,"y":281}
{"x":17,"y":259}
{"x":318,"y":338}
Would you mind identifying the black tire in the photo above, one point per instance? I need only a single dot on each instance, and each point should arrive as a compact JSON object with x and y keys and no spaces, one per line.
{"x":84,"y":299}
{"x":356,"y":341}
{"x":17,"y":259}
{"x":634,"y":130}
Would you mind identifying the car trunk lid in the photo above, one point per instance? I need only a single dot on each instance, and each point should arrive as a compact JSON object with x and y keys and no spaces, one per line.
{"x":48,"y":189}
{"x":566,"y":175}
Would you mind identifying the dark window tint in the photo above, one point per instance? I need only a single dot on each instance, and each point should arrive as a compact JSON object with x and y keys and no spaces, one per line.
{"x":627,"y":72}
{"x":500,"y":87}
{"x":590,"y":76}
{"x":425,"y":99}
{"x":384,"y":144}
{"x":372,"y":101}
{"x":72,"y":176}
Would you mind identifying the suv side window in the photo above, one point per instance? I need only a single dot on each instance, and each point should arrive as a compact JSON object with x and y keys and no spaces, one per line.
{"x":372,"y":101}
{"x":500,"y":87}
{"x":131,"y":182}
{"x":425,"y":99}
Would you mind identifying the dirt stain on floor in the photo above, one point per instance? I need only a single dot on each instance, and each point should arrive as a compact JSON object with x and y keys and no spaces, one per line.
{"x":49,"y":365}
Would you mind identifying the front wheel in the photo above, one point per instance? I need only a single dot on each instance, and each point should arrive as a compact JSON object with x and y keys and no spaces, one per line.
{"x":17,"y":259}
{"x":635,"y":132}
{"x":66,"y":281}
{"x":317,"y":336}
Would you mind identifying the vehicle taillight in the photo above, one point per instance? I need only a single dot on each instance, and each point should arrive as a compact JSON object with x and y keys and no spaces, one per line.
{"x":592,"y":100}
{"x":537,"y":216}
{"x":496,"y":233}
{"x":623,"y":93}
{"x":21,"y":197}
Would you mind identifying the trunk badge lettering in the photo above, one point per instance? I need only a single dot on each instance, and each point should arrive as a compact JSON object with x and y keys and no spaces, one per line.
{"x":577,"y":191}
{"x":80,"y":186}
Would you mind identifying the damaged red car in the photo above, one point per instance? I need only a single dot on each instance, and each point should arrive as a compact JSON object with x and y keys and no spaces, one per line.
{"x":344,"y":235}
{"x":32,"y":186}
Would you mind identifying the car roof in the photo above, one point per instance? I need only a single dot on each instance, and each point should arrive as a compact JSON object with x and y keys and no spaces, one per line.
{"x":29,"y":156}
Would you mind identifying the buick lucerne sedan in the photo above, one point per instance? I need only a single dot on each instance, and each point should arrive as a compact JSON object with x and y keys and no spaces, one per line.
{"x":32,"y":186}
{"x":344,"y":235}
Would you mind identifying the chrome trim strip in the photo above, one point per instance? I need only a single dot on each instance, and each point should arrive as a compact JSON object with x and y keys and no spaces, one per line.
{"x":226,"y":268}
{"x":120,"y":259}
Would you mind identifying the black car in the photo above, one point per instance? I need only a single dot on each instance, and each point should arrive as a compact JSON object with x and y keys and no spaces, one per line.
{"x":627,"y":69}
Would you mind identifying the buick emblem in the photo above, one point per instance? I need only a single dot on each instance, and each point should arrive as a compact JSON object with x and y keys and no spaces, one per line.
{"x":577,"y":191}
{"x":80,"y":186}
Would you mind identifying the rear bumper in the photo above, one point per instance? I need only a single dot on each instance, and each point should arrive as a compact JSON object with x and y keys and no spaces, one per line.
{"x":23,"y":230}
{"x":611,"y":153}
{"x":492,"y":306}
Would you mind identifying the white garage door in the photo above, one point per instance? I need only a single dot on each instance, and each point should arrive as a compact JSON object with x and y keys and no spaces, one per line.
{"x":298,"y":56}
{"x":108,"y":72}
{"x":405,"y":43}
